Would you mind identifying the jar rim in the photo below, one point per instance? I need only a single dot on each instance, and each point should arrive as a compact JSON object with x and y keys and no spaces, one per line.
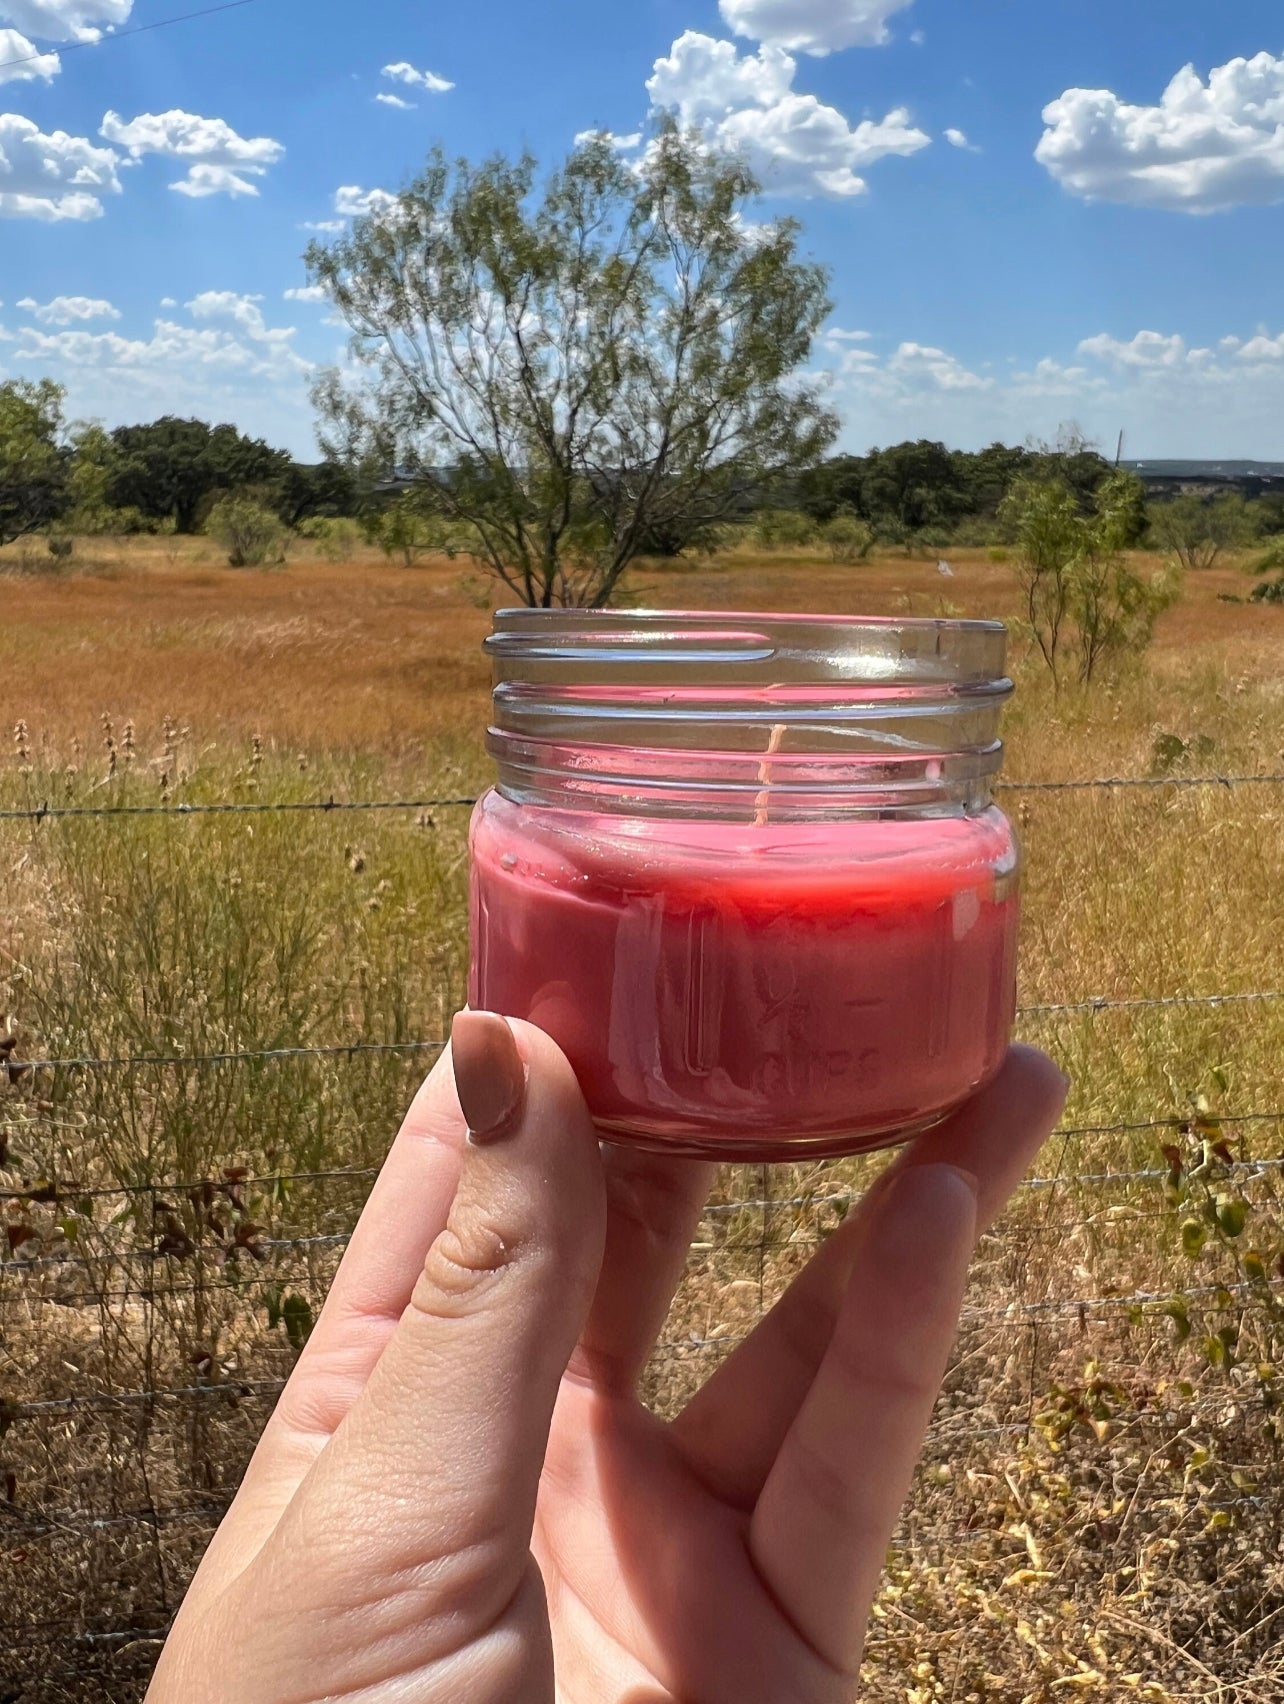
{"x":525,"y":615}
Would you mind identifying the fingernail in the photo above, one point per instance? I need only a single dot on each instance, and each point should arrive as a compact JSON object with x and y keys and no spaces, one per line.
{"x":490,"y":1076}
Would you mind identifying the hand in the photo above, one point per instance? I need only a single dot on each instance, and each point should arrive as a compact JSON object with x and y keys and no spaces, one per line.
{"x":459,"y":1498}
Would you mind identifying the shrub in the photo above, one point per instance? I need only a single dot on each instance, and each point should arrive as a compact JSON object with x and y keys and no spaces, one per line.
{"x":1084,"y":604}
{"x":788,"y":529}
{"x":847,"y":537}
{"x":61,"y":546}
{"x":1270,"y":591}
{"x":1197,"y":532}
{"x":251,"y":534}
{"x":336,"y":539}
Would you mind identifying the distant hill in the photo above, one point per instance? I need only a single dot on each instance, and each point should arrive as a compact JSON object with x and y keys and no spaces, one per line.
{"x":1250,"y":477}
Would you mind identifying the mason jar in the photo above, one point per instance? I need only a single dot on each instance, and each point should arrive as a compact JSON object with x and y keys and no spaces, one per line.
{"x":746,"y":870}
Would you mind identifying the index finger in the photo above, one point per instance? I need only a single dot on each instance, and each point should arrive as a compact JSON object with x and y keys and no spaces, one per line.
{"x":403,"y":1217}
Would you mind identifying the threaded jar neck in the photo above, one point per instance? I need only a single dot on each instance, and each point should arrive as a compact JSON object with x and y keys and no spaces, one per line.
{"x":744,"y":717}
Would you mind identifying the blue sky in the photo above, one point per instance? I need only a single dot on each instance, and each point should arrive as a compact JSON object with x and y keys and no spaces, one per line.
{"x":1035,"y":211}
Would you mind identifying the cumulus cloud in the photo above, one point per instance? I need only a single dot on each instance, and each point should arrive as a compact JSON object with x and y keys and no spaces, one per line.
{"x":1204,"y":148}
{"x":221,"y":161}
{"x":746,"y":104}
{"x":1146,"y":349}
{"x":221,"y":358}
{"x":20,"y":62}
{"x":1173,"y":397}
{"x":65,"y":20}
{"x":52,"y":176}
{"x":933,"y":368}
{"x":328,"y":226}
{"x":204,"y":179}
{"x":67,"y":310}
{"x":354,"y":202}
{"x":624,"y":143}
{"x":429,"y":80}
{"x":395,"y":101}
{"x":813,"y":26}
{"x":959,"y":139}
{"x":307,"y":293}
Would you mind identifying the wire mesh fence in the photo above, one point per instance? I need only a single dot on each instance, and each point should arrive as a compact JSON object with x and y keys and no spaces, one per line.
{"x":1114,"y":1392}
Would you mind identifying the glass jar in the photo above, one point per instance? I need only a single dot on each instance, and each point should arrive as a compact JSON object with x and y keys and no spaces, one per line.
{"x":746,"y":871}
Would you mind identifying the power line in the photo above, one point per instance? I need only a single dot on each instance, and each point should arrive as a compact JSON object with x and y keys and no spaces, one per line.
{"x":119,"y":35}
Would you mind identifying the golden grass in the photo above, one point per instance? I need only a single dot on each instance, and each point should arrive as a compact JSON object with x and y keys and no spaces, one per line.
{"x":1098,"y":1512}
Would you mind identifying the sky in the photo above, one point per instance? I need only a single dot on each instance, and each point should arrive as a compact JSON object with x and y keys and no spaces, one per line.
{"x":1034,"y":212}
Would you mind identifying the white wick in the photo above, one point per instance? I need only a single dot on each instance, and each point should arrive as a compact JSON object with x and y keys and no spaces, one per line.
{"x":764,"y":775}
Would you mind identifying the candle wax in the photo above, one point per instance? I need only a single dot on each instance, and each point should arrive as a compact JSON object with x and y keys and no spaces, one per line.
{"x":758,"y":990}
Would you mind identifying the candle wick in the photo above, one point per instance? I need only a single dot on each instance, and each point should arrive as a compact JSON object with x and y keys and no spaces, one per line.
{"x":763,"y":800}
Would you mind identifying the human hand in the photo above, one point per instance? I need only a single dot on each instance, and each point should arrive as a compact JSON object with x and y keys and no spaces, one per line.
{"x":459,"y":1498}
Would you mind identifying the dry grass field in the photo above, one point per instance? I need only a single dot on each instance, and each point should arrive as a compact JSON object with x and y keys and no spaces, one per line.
{"x":1100,"y":1510}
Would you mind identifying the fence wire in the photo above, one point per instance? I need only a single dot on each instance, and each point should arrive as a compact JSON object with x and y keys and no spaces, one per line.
{"x":45,"y":811}
{"x":135,"y":1377}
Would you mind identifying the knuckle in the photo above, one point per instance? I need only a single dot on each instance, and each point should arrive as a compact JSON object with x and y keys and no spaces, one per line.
{"x":467,"y":1260}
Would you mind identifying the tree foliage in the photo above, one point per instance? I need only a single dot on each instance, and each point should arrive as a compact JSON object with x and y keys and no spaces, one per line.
{"x":172,"y":468}
{"x":922,"y":487}
{"x":1198,"y":530}
{"x":251,"y":534}
{"x":1085,"y":605}
{"x":575,"y":367}
{"x":33,"y":462}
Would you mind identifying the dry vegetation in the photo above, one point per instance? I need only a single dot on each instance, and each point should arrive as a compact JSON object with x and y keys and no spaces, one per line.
{"x":1099,"y":1511}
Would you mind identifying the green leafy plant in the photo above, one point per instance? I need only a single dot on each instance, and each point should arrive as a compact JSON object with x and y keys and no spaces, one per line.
{"x":250,"y":533}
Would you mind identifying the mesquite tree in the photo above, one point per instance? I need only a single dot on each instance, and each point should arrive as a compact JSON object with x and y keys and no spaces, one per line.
{"x":569,"y":370}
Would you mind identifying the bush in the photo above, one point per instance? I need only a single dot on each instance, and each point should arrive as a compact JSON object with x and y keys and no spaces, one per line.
{"x":336,"y":539}
{"x":1085,"y":608}
{"x":775,"y":529}
{"x":1270,"y":591}
{"x":1197,"y":531}
{"x":251,"y":534}
{"x":406,"y":529}
{"x":60,"y":546}
{"x":847,"y":537}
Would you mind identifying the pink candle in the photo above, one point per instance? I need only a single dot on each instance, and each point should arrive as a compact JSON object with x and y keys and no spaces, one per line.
{"x":765,"y":990}
{"x":746,"y":871}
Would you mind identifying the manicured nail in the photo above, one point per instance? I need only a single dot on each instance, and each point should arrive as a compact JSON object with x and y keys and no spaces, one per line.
{"x":490,"y":1076}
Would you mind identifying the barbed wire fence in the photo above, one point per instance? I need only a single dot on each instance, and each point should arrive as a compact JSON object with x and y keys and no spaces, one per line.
{"x":147,"y":1327}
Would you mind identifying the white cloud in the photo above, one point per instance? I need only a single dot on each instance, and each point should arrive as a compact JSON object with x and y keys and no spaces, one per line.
{"x":931,"y":368}
{"x":329,"y":226}
{"x":429,"y":80}
{"x":243,"y":312}
{"x":1172,"y":397}
{"x":624,"y":143}
{"x":307,"y":293}
{"x":746,"y":104}
{"x":395,"y":101}
{"x":21,"y":63}
{"x":68,"y":310}
{"x":53,"y":176}
{"x":959,"y":139}
{"x":168,"y":302}
{"x":65,"y":20}
{"x":222,"y":162}
{"x":354,"y":202}
{"x":1146,"y":349}
{"x":1261,"y":348}
{"x":204,"y":179}
{"x":221,"y":360}
{"x":1204,"y":148}
{"x":813,"y":26}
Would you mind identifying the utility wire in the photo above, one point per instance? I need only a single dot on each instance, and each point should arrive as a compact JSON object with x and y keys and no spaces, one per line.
{"x":119,"y":35}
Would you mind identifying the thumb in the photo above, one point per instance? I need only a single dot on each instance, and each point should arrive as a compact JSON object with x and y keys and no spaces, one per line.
{"x":433,"y":1475}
